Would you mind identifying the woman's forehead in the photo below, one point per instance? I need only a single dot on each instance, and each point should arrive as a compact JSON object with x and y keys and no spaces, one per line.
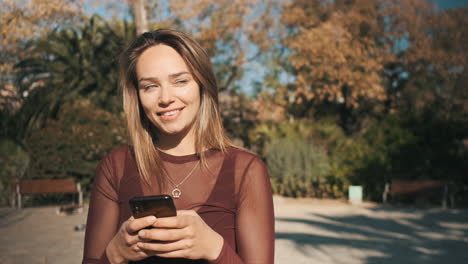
{"x":160,"y":61}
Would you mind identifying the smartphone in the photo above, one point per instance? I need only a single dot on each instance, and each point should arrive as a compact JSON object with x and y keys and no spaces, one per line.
{"x":157,"y":205}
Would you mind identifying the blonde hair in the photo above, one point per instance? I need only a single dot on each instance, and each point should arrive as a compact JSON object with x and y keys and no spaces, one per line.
{"x":209,"y":131}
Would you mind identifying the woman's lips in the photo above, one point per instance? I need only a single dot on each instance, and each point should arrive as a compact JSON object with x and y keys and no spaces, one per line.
{"x":169,"y":115}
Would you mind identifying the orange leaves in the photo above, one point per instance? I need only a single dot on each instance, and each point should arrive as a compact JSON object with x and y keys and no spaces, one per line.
{"x":21,"y":21}
{"x":330,"y":55}
{"x":268,"y":107}
{"x":300,"y":13}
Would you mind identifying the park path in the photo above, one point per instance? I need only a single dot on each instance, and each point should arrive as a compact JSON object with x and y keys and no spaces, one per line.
{"x":317,"y":231}
{"x":307,"y":231}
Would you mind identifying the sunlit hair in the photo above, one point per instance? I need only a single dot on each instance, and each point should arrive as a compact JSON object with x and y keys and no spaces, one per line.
{"x":209,"y":131}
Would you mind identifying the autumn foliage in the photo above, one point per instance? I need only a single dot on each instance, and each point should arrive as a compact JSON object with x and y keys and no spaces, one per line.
{"x":349,"y":91}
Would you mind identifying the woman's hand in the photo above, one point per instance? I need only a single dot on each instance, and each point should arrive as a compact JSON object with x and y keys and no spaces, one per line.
{"x":123,"y":247}
{"x":183,"y":236}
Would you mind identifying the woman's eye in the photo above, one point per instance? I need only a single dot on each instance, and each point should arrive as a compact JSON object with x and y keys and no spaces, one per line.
{"x":147,"y":87}
{"x":181,"y":82}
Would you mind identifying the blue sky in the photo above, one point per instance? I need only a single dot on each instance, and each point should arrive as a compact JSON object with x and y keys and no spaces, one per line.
{"x":451,"y":3}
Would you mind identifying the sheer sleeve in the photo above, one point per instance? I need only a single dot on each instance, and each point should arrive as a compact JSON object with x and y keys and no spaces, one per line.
{"x":255,"y":234}
{"x":103,"y":213}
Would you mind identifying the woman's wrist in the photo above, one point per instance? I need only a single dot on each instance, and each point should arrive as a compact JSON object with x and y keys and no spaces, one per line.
{"x":215,"y":250}
{"x":113,"y":256}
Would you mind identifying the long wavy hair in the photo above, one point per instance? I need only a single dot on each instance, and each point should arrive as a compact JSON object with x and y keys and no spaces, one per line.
{"x":209,"y":131}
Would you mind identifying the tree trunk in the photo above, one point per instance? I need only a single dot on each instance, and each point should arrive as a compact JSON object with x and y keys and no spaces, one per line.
{"x":139,"y":14}
{"x":346,"y":112}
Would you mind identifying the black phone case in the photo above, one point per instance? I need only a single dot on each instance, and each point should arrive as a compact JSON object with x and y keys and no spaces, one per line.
{"x":157,"y":205}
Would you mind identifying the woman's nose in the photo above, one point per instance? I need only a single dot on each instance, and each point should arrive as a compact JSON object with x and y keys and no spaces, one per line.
{"x":165,"y":97}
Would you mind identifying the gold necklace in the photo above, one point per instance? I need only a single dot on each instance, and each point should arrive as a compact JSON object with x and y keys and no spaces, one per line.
{"x":176,"y":192}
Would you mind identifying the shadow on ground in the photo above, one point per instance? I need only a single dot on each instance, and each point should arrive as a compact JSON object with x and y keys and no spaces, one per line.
{"x":9,"y":217}
{"x":413,"y":236}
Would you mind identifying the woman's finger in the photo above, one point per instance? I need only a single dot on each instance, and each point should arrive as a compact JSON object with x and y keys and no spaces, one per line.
{"x":186,"y":212}
{"x":183,"y":219}
{"x":134,"y":225}
{"x":141,"y":254}
{"x":159,"y":248}
{"x":165,"y":234}
{"x":136,"y":248}
{"x":129,"y":239}
{"x":183,"y":253}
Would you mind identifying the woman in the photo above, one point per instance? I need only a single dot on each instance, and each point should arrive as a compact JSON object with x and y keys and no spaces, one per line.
{"x":179,"y":147}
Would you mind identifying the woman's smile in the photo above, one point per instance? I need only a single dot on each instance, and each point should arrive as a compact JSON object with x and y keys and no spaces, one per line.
{"x":169,"y":115}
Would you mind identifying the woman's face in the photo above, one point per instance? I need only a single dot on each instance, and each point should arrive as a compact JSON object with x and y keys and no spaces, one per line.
{"x":168,"y":92}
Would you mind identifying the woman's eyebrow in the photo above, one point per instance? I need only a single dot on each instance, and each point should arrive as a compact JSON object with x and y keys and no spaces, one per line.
{"x":175,"y":75}
{"x":171,"y":76}
{"x":152,"y":79}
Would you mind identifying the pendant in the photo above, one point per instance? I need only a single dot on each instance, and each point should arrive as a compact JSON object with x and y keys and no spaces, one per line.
{"x":176,"y":193}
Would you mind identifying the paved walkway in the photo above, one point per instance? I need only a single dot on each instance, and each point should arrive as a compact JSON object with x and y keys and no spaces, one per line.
{"x":326,"y":232}
{"x":307,"y":231}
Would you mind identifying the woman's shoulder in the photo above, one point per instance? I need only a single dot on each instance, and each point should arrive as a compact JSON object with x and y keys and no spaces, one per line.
{"x":113,"y":163}
{"x":243,"y":155}
{"x":246,"y":165}
{"x":118,"y":154}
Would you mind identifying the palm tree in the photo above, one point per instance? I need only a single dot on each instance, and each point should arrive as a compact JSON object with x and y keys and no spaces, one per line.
{"x":69,"y":63}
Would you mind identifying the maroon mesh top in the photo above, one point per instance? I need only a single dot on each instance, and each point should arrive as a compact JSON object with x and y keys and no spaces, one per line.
{"x":233,"y":196}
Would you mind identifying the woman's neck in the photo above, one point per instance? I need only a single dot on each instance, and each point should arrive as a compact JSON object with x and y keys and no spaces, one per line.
{"x":177,"y":145}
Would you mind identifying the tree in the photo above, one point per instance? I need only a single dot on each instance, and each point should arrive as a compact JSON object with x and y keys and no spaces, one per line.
{"x":333,"y":54}
{"x":359,"y":56}
{"x":67,"y":63}
{"x":139,"y":15}
{"x":82,"y":134}
{"x":22,"y":21}
{"x":435,"y":65}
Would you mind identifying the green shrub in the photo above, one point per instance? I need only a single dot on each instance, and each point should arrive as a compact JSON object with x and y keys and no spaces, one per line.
{"x":298,"y":166}
{"x":318,"y":159}
{"x":13,"y":163}
{"x":73,"y":145}
{"x":371,"y":159}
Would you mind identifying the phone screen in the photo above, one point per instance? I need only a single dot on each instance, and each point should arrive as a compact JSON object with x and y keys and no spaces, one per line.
{"x":157,"y":205}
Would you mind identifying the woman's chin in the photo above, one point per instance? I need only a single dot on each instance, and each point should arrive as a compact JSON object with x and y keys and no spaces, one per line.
{"x":173,"y":131}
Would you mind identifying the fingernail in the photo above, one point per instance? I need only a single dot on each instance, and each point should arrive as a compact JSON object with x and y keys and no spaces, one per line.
{"x":151,"y":219}
{"x":141,"y":233}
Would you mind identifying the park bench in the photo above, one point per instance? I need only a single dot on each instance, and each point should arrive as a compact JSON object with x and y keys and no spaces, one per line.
{"x":49,"y":186}
{"x":417,"y":187}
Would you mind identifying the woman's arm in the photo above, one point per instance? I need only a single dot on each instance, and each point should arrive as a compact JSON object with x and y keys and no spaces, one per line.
{"x":255,"y":231}
{"x":103,"y":214}
{"x":105,"y":241}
